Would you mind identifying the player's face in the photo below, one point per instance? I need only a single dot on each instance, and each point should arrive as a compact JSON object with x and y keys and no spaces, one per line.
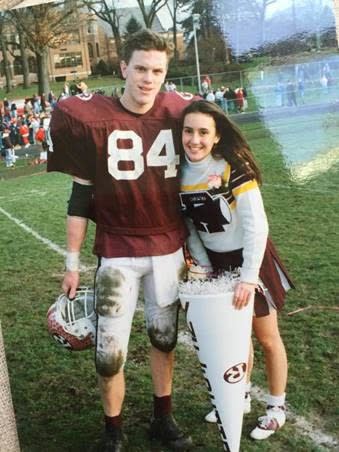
{"x":144,"y":74}
{"x":199,"y":135}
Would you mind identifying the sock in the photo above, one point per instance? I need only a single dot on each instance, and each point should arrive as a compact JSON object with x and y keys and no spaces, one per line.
{"x":113,"y":422}
{"x":278,"y":401}
{"x":248,"y":387}
{"x":162,"y":405}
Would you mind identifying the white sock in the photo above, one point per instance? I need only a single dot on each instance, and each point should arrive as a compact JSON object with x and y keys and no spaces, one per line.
{"x":248,"y":387}
{"x":276,"y":400}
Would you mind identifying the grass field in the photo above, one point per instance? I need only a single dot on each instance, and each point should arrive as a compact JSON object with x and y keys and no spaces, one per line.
{"x":54,"y":392}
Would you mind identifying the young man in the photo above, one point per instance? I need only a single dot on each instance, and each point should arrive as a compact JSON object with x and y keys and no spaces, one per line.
{"x":123,"y":155}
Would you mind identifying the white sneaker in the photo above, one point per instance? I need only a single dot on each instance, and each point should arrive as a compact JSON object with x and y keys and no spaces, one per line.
{"x":274,"y":419}
{"x":212,"y":418}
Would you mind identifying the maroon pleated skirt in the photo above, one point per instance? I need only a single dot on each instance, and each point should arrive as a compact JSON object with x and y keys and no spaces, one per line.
{"x":274,"y":278}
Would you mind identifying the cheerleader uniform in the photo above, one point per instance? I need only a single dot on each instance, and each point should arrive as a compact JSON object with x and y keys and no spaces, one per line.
{"x":228,"y":229}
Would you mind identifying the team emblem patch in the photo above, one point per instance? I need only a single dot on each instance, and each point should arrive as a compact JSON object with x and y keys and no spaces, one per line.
{"x":235,"y":373}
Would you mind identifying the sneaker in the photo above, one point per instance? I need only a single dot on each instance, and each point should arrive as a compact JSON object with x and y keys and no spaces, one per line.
{"x":113,"y":441}
{"x":166,"y":430}
{"x":212,"y":418}
{"x":274,"y":419}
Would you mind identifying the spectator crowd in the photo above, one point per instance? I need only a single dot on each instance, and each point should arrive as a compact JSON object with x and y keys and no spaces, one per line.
{"x":23,"y":126}
{"x":229,"y":99}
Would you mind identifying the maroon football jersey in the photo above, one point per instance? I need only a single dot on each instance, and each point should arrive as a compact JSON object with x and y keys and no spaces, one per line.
{"x":132,"y":160}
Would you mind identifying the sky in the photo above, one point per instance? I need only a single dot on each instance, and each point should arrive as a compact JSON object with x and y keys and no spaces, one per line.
{"x":284,"y":4}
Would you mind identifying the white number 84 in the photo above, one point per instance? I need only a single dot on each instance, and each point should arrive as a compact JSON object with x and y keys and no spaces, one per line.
{"x":135,"y":154}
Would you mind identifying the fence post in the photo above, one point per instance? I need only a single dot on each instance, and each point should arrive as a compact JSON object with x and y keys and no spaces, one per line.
{"x":9,"y":441}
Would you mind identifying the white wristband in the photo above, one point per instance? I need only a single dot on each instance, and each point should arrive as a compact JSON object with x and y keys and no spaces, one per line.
{"x":72,"y":261}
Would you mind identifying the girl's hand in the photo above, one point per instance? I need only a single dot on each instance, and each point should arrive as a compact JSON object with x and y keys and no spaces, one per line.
{"x":242,"y":294}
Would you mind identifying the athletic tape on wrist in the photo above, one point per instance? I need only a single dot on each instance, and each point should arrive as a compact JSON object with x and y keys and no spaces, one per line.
{"x":72,"y":261}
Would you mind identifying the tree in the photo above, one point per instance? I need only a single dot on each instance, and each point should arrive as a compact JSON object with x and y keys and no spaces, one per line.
{"x":149,"y":12}
{"x":176,"y":5}
{"x":3,"y":46}
{"x":45,"y":26}
{"x":107,"y":11}
{"x":24,"y":60}
{"x":132,"y":26}
{"x":259,"y":9}
{"x":212,"y":42}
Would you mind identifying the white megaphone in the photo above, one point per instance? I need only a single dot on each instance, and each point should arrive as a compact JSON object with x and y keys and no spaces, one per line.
{"x":221,"y":335}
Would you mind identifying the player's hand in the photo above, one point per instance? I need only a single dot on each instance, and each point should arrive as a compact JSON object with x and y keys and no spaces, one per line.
{"x":70,"y":283}
{"x":242,"y":294}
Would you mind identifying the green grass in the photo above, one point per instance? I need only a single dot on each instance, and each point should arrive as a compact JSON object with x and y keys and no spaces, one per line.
{"x":55,"y":393}
{"x":105,"y":82}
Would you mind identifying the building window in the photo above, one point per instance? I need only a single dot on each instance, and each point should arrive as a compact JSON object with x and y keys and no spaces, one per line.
{"x":74,"y":38}
{"x":67,"y":59}
{"x":97,"y":49}
{"x":32,"y":65}
{"x":91,"y":27}
{"x":17,"y":65}
{"x":90,"y":50}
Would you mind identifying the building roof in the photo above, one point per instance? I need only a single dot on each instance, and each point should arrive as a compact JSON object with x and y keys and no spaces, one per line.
{"x":126,"y":14}
{"x":14,"y":4}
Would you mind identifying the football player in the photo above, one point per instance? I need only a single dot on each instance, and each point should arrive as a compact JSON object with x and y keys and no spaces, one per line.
{"x":123,"y":157}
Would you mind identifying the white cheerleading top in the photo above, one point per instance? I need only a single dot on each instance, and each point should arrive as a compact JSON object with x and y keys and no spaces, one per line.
{"x":224,"y":212}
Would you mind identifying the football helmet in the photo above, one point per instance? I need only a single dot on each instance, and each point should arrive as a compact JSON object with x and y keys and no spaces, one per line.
{"x":72,"y":323}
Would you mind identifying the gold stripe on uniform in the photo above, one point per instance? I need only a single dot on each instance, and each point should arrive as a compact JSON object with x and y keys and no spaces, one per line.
{"x":246,"y":186}
{"x":194,"y":187}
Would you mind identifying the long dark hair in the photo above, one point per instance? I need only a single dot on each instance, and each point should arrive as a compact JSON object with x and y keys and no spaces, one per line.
{"x":232,"y":145}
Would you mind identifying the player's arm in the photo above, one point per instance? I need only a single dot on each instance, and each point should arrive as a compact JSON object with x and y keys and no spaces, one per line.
{"x":202,"y":265}
{"x":79,"y":207}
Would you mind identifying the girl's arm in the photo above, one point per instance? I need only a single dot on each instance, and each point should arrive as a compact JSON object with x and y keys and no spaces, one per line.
{"x":253,"y":222}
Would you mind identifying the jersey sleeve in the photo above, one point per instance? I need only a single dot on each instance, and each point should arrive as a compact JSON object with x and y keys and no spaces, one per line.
{"x":71,"y":150}
{"x":253,"y":220}
{"x":195,"y":245}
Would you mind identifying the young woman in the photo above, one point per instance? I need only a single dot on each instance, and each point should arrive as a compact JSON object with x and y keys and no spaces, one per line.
{"x":228,"y":229}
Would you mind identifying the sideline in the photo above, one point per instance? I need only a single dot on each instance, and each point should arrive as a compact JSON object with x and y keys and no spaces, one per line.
{"x":300,"y":423}
{"x":51,"y":245}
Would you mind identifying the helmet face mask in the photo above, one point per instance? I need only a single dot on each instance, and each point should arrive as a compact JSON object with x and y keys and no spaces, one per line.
{"x":72,"y":323}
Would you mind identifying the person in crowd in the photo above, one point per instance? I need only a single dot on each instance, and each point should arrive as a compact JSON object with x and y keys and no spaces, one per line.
{"x":14,"y":133}
{"x":210,"y":96}
{"x":239,"y":96}
{"x":228,"y":230}
{"x":171,"y":86}
{"x":206,"y":85}
{"x":229,"y":96}
{"x":36,"y":104}
{"x":9,"y":149}
{"x":7,"y":110}
{"x":301,"y":90}
{"x":28,"y":107}
{"x":290,"y":94}
{"x":219,"y":96}
{"x":24,"y":133}
{"x":279,"y":94}
{"x":14,"y":110}
{"x":124,"y":153}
